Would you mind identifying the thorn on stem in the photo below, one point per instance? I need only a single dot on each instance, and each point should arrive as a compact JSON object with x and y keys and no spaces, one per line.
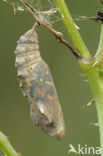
{"x":89,"y":103}
{"x":8,"y":139}
{"x":19,"y":154}
{"x":94,"y":124}
{"x":85,"y":80}
{"x":81,"y":75}
{"x":76,"y":26}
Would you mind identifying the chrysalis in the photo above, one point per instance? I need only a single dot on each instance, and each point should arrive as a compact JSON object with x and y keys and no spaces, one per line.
{"x":38,"y":87}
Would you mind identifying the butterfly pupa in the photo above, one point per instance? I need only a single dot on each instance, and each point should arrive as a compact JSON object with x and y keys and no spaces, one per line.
{"x":37,"y":85}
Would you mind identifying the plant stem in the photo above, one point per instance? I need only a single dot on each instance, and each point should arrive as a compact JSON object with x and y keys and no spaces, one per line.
{"x":99,"y":103}
{"x":6,"y":147}
{"x":99,"y":106}
{"x":97,"y":90}
{"x":91,"y":72}
{"x":71,"y":28}
{"x":100,"y":46}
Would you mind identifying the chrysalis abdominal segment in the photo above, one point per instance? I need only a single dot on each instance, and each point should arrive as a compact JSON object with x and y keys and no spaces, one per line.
{"x":38,"y":87}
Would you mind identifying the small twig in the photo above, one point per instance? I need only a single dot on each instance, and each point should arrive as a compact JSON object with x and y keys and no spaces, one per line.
{"x":42,"y":21}
{"x":60,"y":39}
{"x":98,"y":18}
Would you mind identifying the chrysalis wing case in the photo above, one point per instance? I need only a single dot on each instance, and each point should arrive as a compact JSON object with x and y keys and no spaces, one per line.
{"x":38,"y":87}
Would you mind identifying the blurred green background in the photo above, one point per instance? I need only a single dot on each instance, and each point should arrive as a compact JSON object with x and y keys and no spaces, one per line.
{"x":73,"y":92}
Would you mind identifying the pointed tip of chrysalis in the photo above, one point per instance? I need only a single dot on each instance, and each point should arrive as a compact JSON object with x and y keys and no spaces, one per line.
{"x":61,"y":133}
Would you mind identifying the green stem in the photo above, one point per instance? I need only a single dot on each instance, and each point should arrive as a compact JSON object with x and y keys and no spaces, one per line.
{"x":6,"y":147}
{"x":100,"y":46}
{"x":97,"y":91}
{"x":91,"y":73}
{"x":99,"y":103}
{"x":99,"y":106}
{"x":71,"y":28}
